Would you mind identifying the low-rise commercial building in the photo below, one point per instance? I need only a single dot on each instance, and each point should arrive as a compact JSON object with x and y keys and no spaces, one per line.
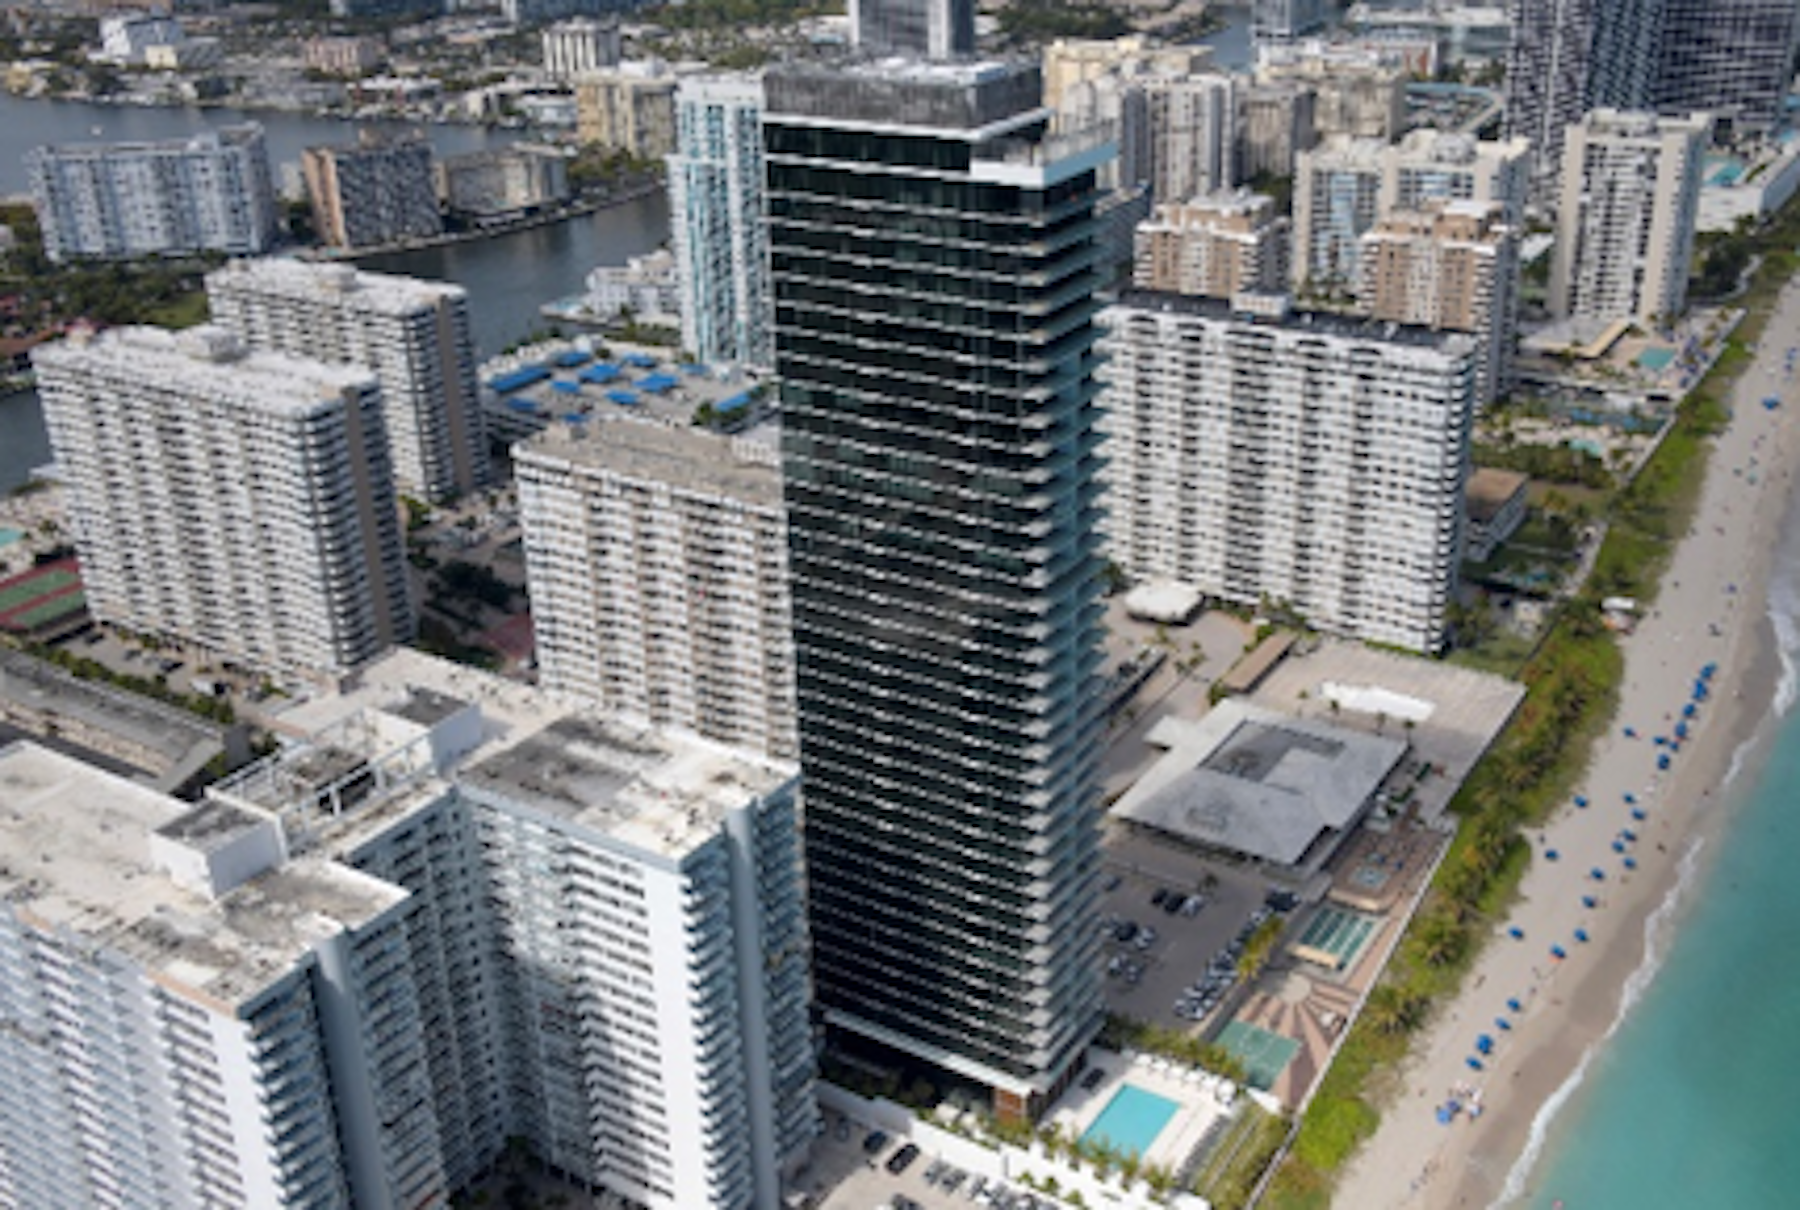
{"x":505,"y":182}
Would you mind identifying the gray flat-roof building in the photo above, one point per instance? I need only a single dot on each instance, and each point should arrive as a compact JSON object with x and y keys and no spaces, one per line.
{"x":1258,"y":784}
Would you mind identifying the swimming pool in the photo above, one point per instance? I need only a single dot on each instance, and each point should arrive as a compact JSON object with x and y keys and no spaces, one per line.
{"x":8,"y":535}
{"x":1656,"y":359}
{"x":1131,"y":1120}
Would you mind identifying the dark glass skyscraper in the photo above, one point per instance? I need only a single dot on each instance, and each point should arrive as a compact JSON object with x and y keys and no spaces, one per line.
{"x":933,"y":254}
{"x":933,"y":29}
{"x":1570,"y":56}
{"x":1731,"y":58}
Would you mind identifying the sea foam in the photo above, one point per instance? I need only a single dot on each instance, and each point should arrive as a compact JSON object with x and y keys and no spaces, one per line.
{"x":1656,"y":929}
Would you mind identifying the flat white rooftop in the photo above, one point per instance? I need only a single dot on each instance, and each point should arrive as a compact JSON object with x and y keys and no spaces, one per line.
{"x":688,"y":458}
{"x":342,"y":286}
{"x":209,"y":363}
{"x":659,"y":791}
{"x":654,"y":789}
{"x":75,"y":854}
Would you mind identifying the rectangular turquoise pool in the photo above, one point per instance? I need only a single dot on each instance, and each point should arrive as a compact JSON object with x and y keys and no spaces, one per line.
{"x":1131,"y":1120}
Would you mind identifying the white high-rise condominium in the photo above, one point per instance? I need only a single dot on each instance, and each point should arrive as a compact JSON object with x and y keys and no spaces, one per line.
{"x":1305,"y":458}
{"x":1193,"y":135}
{"x":572,"y":48}
{"x":1625,"y":221}
{"x":187,"y":1026}
{"x":657,"y":559}
{"x":210,"y":192}
{"x":719,"y":223}
{"x":508,"y":922}
{"x":240,"y":502}
{"x":414,"y":334}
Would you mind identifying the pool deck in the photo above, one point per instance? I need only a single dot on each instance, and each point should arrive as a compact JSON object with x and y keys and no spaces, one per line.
{"x":1197,"y":1095}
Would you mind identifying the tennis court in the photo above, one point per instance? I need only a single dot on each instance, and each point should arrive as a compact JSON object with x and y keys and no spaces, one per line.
{"x":1334,"y":937}
{"x":1263,"y":1054}
{"x":30,"y":588}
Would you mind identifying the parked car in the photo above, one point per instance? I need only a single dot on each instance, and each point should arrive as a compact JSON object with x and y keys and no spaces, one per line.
{"x":902,"y":1159}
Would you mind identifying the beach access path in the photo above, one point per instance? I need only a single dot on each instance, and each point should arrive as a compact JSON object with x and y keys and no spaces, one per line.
{"x":1711,"y":609}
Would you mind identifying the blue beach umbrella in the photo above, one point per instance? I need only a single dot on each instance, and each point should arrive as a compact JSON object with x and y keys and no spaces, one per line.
{"x":1681,"y":730}
{"x":1516,"y":933}
{"x":1660,"y":740}
{"x":1551,"y":855}
{"x":1631,"y":733}
{"x":1474,"y":1063}
{"x":1630,"y":798}
{"x":1597,"y":874}
{"x":1581,"y":935}
{"x":1502,"y":1023}
{"x":1618,"y":846}
{"x":1638,"y":813}
{"x":1484,"y":1044}
{"x":1558,"y":952}
{"x":1628,"y":834}
{"x":1514,"y":1005}
{"x":1589,"y":902}
{"x":1662,"y":762}
{"x":1581,"y":800}
{"x":1688,"y":711}
{"x":1631,"y":863}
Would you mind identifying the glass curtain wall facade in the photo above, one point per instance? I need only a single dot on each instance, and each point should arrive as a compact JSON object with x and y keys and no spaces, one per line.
{"x":933,"y":260}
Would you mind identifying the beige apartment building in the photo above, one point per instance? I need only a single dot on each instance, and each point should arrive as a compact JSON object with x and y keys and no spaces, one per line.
{"x":1450,"y":266}
{"x":1625,"y":225}
{"x":1217,"y":246}
{"x":629,"y":108}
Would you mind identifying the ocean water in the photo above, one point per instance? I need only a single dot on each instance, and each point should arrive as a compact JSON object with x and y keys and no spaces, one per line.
{"x":1687,"y":1103}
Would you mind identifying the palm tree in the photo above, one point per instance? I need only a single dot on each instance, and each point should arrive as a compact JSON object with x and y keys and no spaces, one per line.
{"x":1440,"y":940}
{"x":1393,"y":1009}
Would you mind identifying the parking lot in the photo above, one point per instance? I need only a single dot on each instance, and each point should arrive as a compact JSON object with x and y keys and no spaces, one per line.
{"x":857,"y":1167}
{"x":1183,"y":942}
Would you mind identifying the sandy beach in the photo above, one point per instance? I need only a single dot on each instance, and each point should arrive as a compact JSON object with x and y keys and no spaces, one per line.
{"x":1711,"y":609}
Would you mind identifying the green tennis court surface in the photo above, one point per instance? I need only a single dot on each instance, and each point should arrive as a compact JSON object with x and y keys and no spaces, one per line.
{"x":1262,"y":1053}
{"x":37,"y":586}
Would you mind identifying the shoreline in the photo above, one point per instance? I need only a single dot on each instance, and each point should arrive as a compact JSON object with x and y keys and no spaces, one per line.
{"x":1571,"y":1006}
